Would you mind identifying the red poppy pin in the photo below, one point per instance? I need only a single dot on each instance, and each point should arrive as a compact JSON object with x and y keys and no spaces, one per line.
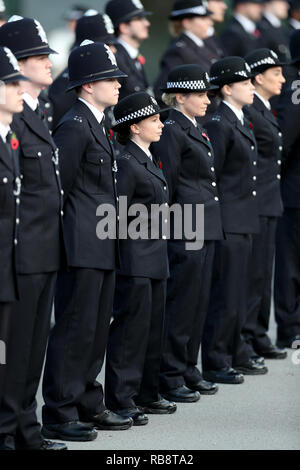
{"x":274,"y":113}
{"x":14,"y":143}
{"x":251,"y":126}
{"x":159,"y":164}
{"x":141,"y":59}
{"x":205,"y":136}
{"x":110,"y":134}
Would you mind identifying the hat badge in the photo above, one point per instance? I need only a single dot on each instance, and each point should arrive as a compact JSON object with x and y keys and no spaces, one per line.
{"x":248,"y":68}
{"x":108,"y":24}
{"x":206,"y":77}
{"x":137,"y":4}
{"x":12,"y":59}
{"x":274,"y":54}
{"x":41,"y":31}
{"x":111,"y":55}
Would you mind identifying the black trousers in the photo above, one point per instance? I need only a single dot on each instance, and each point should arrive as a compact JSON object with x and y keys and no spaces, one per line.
{"x":287,"y":275}
{"x":222,"y":344}
{"x":187,"y":300}
{"x":30,"y":325}
{"x":5,"y":321}
{"x":255,"y":330}
{"x":135,"y":342}
{"x":77,"y":343}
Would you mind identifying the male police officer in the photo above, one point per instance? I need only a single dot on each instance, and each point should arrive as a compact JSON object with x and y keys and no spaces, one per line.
{"x":270,"y":26}
{"x":84,"y":296}
{"x":11,"y":102}
{"x":38,"y":250}
{"x":132,"y":28}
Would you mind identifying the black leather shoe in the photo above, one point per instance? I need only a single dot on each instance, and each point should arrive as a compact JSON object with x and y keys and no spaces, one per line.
{"x":181,"y":395}
{"x":226,"y":375}
{"x":49,"y":445}
{"x":203,"y":387}
{"x":110,"y":421}
{"x":159,"y":407}
{"x":72,"y":431}
{"x":272,"y":352}
{"x":252,"y":367}
{"x":136,"y":415}
{"x":288,"y":343}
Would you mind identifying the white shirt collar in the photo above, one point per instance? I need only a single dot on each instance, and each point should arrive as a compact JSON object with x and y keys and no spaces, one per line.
{"x":146,"y":151}
{"x":132,"y":51}
{"x":265,"y":102}
{"x":294,"y":23}
{"x":4,"y":130}
{"x":238,"y":112}
{"x":247,"y":24}
{"x":194,"y":38}
{"x":210,"y":32}
{"x":32,"y":102}
{"x":189,"y":118}
{"x":272,"y":19}
{"x":98,"y":114}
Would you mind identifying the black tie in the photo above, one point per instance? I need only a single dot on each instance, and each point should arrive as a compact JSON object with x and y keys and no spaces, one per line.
{"x":39,"y":112}
{"x":8,"y":142}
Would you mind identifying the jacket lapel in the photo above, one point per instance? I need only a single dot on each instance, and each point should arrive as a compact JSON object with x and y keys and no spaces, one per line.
{"x":142,"y":158}
{"x":96,"y":128}
{"x":229,"y":114}
{"x":36,"y":124}
{"x":194,"y":132}
{"x":5,"y":156}
{"x":259,"y":106}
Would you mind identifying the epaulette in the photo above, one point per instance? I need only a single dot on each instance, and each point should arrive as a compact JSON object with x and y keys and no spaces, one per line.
{"x":65,"y":75}
{"x":180,"y":44}
{"x":217,"y":117}
{"x":169,"y":121}
{"x":127,"y":156}
{"x":78,"y":118}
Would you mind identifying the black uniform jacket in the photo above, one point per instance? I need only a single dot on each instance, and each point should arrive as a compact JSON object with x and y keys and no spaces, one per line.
{"x":289,"y":120}
{"x":87,"y":168}
{"x":269,"y":148}
{"x":143,"y":182}
{"x":275,"y":38}
{"x":8,"y":224}
{"x":188,"y":164}
{"x":39,"y":249}
{"x":183,"y":50}
{"x":136,"y":80}
{"x":237,"y":41}
{"x":235,"y":165}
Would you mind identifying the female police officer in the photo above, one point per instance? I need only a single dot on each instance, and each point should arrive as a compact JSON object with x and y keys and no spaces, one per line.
{"x":134,"y":347}
{"x":188,"y":163}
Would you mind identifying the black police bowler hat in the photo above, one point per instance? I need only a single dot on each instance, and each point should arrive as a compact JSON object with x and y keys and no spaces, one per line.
{"x":230,"y":70}
{"x":90,"y":62}
{"x":9,"y":67}
{"x":122,"y":11}
{"x":25,"y":37}
{"x":294,"y":46}
{"x":262,"y":59}
{"x":188,"y":9}
{"x":96,"y":27}
{"x":134,"y":108}
{"x":188,"y":79}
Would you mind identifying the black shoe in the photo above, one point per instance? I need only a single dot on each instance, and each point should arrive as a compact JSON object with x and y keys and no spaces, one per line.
{"x":110,"y":421}
{"x":289,"y":343}
{"x":258,"y":359}
{"x":72,"y":431}
{"x":227,"y":375}
{"x":136,"y":415}
{"x":49,"y":445}
{"x":203,"y":387}
{"x":272,"y":352}
{"x":159,"y":407}
{"x":7,"y":442}
{"x":252,"y":367}
{"x":181,"y":395}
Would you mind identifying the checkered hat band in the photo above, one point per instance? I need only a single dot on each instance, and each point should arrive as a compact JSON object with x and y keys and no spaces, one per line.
{"x":243,"y":73}
{"x":192,"y":85}
{"x":194,"y":11}
{"x":141,"y":113}
{"x":267,"y":60}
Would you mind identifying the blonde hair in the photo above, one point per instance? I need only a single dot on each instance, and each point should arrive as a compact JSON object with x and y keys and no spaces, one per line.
{"x":170,"y":99}
{"x":175,"y":28}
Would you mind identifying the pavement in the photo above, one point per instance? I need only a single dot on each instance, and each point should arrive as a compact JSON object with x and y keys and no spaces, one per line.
{"x":263,"y":413}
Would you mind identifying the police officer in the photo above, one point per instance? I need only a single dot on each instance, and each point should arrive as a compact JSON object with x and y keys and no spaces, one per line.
{"x":39,"y":246}
{"x":97,"y":28}
{"x":268,"y":81}
{"x":84,"y":295}
{"x":293,"y":22}
{"x":218,"y":9}
{"x":235,"y":164}
{"x":191,"y":22}
{"x":131,"y":28}
{"x":287,"y":274}
{"x":132,"y":365}
{"x":188,"y":163}
{"x":271,"y":28}
{"x":11,"y":102}
{"x":241,"y":35}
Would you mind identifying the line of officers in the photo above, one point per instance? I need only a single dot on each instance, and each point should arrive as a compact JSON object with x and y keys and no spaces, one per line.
{"x":165,"y":301}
